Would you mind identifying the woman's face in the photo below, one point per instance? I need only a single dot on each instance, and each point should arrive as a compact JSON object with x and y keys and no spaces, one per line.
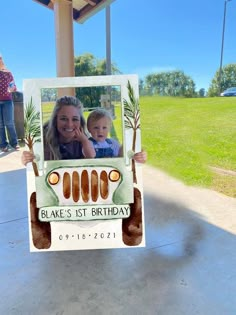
{"x":68,"y":120}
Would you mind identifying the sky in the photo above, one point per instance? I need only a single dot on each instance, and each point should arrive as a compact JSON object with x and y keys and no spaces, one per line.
{"x":146,"y":37}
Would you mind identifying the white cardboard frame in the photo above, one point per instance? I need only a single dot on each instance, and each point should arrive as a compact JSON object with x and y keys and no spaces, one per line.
{"x":88,"y":233}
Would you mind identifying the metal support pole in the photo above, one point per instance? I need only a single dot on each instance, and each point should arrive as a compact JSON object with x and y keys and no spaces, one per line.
{"x":108,"y":47}
{"x":108,"y":40}
{"x":222,"y":47}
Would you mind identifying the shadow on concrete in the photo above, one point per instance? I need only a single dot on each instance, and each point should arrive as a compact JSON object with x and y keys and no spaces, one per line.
{"x":187,"y":266}
{"x":5,"y":154}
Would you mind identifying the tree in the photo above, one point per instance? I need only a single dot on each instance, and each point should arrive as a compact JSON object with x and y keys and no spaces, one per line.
{"x":132,"y":226}
{"x":202,"y":92}
{"x":172,"y":83}
{"x":141,"y":87}
{"x":48,"y":94}
{"x":88,"y":65}
{"x":132,"y":120}
{"x":228,"y":79}
{"x":32,"y":129}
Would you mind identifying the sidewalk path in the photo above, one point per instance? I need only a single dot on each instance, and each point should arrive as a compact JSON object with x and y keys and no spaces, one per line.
{"x":186,"y":268}
{"x":10,"y":161}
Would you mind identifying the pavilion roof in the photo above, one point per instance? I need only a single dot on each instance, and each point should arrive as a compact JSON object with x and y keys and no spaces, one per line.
{"x":82,"y":9}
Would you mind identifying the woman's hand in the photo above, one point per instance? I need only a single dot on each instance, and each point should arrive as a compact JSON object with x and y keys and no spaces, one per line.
{"x":27,"y":157}
{"x":140,"y":157}
{"x":80,"y":135}
{"x":87,"y":147}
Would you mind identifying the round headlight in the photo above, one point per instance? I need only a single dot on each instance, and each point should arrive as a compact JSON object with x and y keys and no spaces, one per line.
{"x":53,"y":178}
{"x":114,"y":176}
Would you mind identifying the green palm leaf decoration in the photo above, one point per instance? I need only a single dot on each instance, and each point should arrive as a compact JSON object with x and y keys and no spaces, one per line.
{"x":132,"y":120}
{"x":32,"y":129}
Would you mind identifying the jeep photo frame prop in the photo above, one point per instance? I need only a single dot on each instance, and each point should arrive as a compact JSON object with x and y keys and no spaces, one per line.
{"x":85,"y":203}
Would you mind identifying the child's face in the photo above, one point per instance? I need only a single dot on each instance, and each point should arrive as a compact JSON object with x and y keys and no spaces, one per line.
{"x":68,"y":120}
{"x":99,"y":129}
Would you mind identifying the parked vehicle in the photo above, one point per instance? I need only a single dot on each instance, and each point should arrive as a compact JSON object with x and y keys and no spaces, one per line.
{"x":229,"y":92}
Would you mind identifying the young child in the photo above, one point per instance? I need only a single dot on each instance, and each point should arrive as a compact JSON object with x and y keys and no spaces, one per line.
{"x":99,"y":124}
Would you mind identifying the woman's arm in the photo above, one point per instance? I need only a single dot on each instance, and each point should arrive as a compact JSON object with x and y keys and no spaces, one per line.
{"x":87,"y":147}
{"x":27,"y":157}
{"x":140,"y":157}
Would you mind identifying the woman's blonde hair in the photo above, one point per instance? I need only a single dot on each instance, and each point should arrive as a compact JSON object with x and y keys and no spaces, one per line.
{"x":50,"y":128}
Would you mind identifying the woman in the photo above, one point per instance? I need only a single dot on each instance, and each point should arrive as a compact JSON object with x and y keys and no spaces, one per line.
{"x":7,"y":86}
{"x":65,"y":133}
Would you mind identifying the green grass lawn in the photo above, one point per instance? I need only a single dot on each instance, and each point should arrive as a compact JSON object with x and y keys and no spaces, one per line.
{"x":185,"y":136}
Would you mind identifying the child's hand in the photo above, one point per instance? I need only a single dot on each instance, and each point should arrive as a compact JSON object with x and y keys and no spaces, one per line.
{"x":27,"y":157}
{"x":140,"y":157}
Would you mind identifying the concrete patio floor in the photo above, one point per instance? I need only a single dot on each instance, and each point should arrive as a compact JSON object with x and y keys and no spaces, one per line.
{"x":187,"y":267}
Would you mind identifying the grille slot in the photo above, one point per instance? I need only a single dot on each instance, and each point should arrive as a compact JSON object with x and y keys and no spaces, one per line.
{"x":104,"y":185}
{"x":75,"y":186}
{"x":86,"y":186}
{"x":66,"y":185}
{"x":94,"y":185}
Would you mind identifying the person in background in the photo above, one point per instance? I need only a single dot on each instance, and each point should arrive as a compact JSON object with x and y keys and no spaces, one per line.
{"x":99,"y":124}
{"x":65,"y":133}
{"x":7,"y":86}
